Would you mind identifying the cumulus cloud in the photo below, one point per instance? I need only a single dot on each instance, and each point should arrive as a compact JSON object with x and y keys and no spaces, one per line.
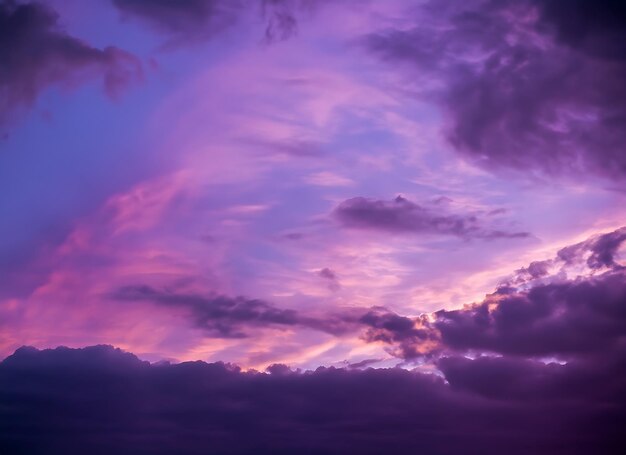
{"x":545,"y":317}
{"x":102,"y":400}
{"x":525,"y":84}
{"x":35,"y":53}
{"x":403,"y":216}
{"x":571,"y":318}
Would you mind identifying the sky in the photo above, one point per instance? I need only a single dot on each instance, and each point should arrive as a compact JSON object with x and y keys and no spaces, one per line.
{"x":325,"y":201}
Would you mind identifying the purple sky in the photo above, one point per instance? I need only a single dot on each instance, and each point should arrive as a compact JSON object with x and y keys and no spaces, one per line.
{"x":435,"y":186}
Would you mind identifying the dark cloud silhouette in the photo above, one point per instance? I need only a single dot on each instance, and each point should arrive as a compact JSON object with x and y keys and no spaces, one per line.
{"x":100,"y":400}
{"x":534,"y":314}
{"x":403,"y":216}
{"x":409,"y":338}
{"x":35,"y":53}
{"x":569,"y":318}
{"x":525,"y":84}
{"x":598,"y":252}
{"x":598,"y":28}
{"x":220,"y":316}
{"x":233,"y":317}
{"x":536,"y":369}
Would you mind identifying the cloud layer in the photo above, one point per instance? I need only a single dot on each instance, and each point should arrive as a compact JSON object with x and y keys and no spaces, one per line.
{"x":102,"y":400}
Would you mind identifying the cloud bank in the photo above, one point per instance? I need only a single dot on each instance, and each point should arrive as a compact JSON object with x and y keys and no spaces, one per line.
{"x":539,"y":368}
{"x":101,"y":400}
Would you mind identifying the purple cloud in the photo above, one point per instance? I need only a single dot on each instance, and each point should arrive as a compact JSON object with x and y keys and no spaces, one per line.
{"x":567,"y":318}
{"x":526,"y":85}
{"x":331,"y":278}
{"x":403,"y":216}
{"x":192,"y":20}
{"x":227,"y":317}
{"x":102,"y":400}
{"x":410,"y":338}
{"x":200,"y":20}
{"x":36,"y":53}
{"x":571,"y":318}
{"x":220,"y":316}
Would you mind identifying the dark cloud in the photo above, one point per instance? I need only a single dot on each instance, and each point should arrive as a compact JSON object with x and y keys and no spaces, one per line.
{"x":327,"y":274}
{"x":220,"y":316}
{"x":403,"y":216}
{"x":570,"y":318}
{"x":200,"y":20}
{"x":526,"y":85}
{"x":535,"y":369}
{"x":281,"y":21}
{"x":409,"y":338}
{"x":35,"y":53}
{"x":533,"y":315}
{"x":331,"y":278}
{"x":100,"y":400}
{"x":604,"y":249}
{"x":191,"y":20}
{"x":233,"y":317}
{"x":598,"y":252}
{"x":597,"y":28}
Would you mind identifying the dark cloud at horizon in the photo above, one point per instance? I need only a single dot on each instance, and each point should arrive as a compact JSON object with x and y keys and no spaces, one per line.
{"x":36,"y":53}
{"x":404,"y":212}
{"x":525,"y":85}
{"x":102,"y":400}
{"x":540,"y":368}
